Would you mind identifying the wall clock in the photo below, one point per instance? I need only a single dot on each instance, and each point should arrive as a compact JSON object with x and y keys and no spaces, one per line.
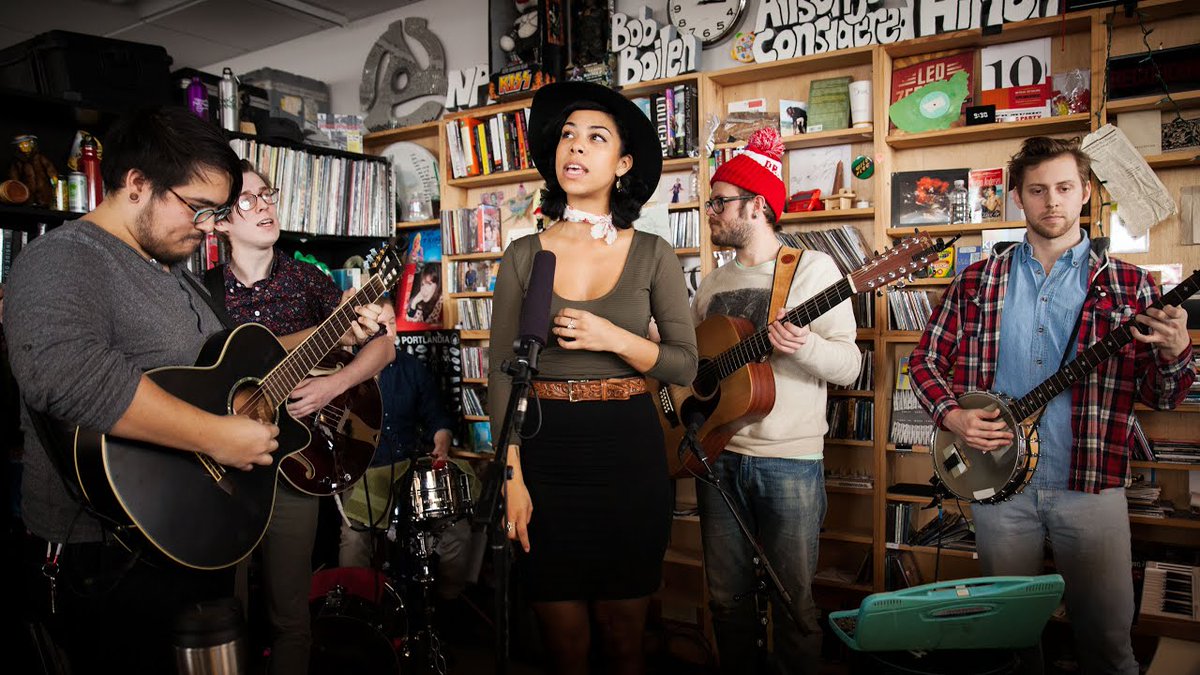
{"x":709,"y":20}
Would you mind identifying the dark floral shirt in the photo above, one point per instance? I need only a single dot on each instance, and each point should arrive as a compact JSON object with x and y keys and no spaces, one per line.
{"x":295,"y":295}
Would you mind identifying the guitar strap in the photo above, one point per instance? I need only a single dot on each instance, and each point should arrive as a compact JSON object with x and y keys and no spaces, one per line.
{"x":52,"y":434}
{"x":786,"y":262}
{"x":213,"y":292}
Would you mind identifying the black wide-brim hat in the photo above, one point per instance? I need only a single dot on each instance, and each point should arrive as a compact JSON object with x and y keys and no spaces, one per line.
{"x":642,"y":143}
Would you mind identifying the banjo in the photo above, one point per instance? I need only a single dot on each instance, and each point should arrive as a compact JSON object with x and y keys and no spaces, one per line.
{"x":991,"y":477}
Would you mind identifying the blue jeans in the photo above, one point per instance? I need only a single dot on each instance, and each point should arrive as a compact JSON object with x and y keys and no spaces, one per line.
{"x":1089,"y":535}
{"x":783,"y":503}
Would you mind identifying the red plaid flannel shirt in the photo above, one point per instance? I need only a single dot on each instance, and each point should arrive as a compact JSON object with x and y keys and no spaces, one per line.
{"x":957,"y":354}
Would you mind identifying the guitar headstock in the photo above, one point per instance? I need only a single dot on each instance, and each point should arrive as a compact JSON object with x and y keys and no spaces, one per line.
{"x":386,"y":263}
{"x":909,"y":256}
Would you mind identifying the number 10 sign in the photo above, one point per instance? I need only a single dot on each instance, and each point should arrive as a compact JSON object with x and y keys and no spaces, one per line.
{"x":1016,"y":79}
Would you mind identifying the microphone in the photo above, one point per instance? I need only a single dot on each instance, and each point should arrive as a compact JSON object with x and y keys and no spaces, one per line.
{"x":532,"y":334}
{"x":695,"y":419}
{"x":534,"y":328}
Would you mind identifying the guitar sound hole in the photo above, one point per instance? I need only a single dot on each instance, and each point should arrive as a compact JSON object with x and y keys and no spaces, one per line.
{"x":704,"y":386}
{"x":250,"y":400}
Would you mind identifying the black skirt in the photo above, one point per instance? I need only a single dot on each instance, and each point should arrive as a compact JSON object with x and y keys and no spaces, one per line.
{"x":597,"y":477}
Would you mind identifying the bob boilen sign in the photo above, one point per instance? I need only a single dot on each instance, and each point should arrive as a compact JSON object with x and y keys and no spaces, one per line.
{"x":646,"y":51}
{"x":784,"y":29}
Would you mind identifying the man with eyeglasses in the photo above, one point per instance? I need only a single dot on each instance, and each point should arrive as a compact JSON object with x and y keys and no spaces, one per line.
{"x":261,"y":284}
{"x":91,"y":306}
{"x":773,"y":469}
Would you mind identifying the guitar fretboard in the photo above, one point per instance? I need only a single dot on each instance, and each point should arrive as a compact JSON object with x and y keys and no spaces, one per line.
{"x":757,"y":345}
{"x":284,"y":377}
{"x":1093,"y":356}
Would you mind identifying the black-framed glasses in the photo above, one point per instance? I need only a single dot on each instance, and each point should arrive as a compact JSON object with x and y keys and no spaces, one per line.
{"x":202,"y":215}
{"x":717,"y":204}
{"x":247,"y":200}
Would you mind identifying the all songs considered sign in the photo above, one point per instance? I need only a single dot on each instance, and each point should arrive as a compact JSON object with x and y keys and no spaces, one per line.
{"x":788,"y":28}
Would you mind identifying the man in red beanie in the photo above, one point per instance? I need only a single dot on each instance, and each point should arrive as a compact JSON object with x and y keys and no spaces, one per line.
{"x":773,"y":469}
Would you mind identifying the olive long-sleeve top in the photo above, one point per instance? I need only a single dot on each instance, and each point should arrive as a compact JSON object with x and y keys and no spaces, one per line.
{"x":651,"y":285}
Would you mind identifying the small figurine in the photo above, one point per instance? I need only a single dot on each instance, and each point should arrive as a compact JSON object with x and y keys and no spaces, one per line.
{"x":520,"y":43}
{"x":34,"y":170}
{"x":676,"y":189}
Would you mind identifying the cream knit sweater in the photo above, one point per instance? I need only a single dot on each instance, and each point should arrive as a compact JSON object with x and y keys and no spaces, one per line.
{"x":796,"y":425}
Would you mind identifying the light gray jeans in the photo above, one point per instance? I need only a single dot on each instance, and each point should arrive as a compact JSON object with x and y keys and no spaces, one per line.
{"x":1089,"y":536}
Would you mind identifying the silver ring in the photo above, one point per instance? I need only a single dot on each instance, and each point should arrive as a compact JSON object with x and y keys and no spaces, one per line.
{"x":509,"y":526}
{"x":571,"y":324}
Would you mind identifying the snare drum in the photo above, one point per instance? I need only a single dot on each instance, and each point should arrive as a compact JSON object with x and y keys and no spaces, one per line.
{"x":438,"y":490}
{"x":358,"y":621}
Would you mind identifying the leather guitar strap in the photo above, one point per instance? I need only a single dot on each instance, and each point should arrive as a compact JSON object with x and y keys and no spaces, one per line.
{"x":786,"y":262}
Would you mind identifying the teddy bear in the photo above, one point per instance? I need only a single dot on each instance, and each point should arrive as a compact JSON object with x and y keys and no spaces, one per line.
{"x":520,"y":43}
{"x":34,"y":170}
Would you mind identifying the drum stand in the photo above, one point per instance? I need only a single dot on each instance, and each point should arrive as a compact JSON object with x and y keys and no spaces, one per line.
{"x":421,"y":546}
{"x":763,"y":571}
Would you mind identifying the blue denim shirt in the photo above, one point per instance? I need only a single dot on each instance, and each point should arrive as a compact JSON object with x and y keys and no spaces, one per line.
{"x":412,"y":409}
{"x":1035,"y":330}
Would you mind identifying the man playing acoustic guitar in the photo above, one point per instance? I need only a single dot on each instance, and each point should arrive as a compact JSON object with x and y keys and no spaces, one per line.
{"x":773,"y":468}
{"x":1004,"y":326}
{"x":93,"y":305}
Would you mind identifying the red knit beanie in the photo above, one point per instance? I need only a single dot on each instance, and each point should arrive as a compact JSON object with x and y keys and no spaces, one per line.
{"x":758,"y":169}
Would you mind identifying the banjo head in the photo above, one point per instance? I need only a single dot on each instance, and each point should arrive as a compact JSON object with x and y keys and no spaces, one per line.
{"x":977,"y":476}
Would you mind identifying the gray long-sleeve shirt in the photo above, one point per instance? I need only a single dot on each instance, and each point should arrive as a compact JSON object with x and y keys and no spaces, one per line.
{"x":85,"y":316}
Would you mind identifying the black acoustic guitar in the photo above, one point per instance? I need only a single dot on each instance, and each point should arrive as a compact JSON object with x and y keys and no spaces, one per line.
{"x":188,"y":507}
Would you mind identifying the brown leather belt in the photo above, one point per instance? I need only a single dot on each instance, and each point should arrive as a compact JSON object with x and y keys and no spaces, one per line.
{"x":615,"y":389}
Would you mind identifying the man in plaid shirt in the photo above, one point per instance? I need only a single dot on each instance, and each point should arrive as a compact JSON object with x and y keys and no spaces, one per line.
{"x":1063,"y":293}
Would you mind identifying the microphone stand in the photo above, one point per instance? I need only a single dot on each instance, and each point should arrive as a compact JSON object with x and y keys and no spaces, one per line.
{"x":762,"y":565}
{"x":491,"y":511}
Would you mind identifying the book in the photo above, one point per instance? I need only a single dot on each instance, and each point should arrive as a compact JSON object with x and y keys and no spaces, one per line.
{"x":1016,"y":79}
{"x":992,"y":237}
{"x":743,"y":118}
{"x":965,"y":256}
{"x":829,"y":104}
{"x":985,"y":195}
{"x":793,"y":117}
{"x":481,"y":437}
{"x":908,"y":79}
{"x":903,"y":379}
{"x":419,"y":297}
{"x":923,"y":197}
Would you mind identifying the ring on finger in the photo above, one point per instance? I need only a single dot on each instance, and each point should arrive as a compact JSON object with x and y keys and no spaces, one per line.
{"x":570,"y":324}
{"x":509,"y":526}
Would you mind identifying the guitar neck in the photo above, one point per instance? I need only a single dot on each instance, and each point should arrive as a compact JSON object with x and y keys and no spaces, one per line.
{"x":1093,"y":356}
{"x":757,"y":346}
{"x":296,"y":366}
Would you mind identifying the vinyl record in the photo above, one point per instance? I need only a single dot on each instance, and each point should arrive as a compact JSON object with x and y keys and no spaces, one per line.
{"x":414,"y":169}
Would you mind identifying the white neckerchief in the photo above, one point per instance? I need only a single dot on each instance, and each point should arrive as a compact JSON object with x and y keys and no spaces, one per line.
{"x":602,"y":226}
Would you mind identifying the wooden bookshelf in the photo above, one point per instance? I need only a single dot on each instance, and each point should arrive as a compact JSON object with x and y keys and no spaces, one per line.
{"x":818,"y":139}
{"x":495,"y":179}
{"x":418,"y":224}
{"x":991,"y":132}
{"x":825,"y":215}
{"x":1185,"y":99}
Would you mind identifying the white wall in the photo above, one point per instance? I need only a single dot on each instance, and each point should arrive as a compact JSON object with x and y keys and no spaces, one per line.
{"x":336,"y":56}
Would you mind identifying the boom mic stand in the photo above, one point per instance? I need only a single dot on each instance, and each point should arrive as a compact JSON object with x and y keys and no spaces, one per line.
{"x":763,"y":570}
{"x":491,"y":511}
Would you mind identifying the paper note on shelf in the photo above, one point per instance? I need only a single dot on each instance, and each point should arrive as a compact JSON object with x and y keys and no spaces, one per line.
{"x":1144,"y":200}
